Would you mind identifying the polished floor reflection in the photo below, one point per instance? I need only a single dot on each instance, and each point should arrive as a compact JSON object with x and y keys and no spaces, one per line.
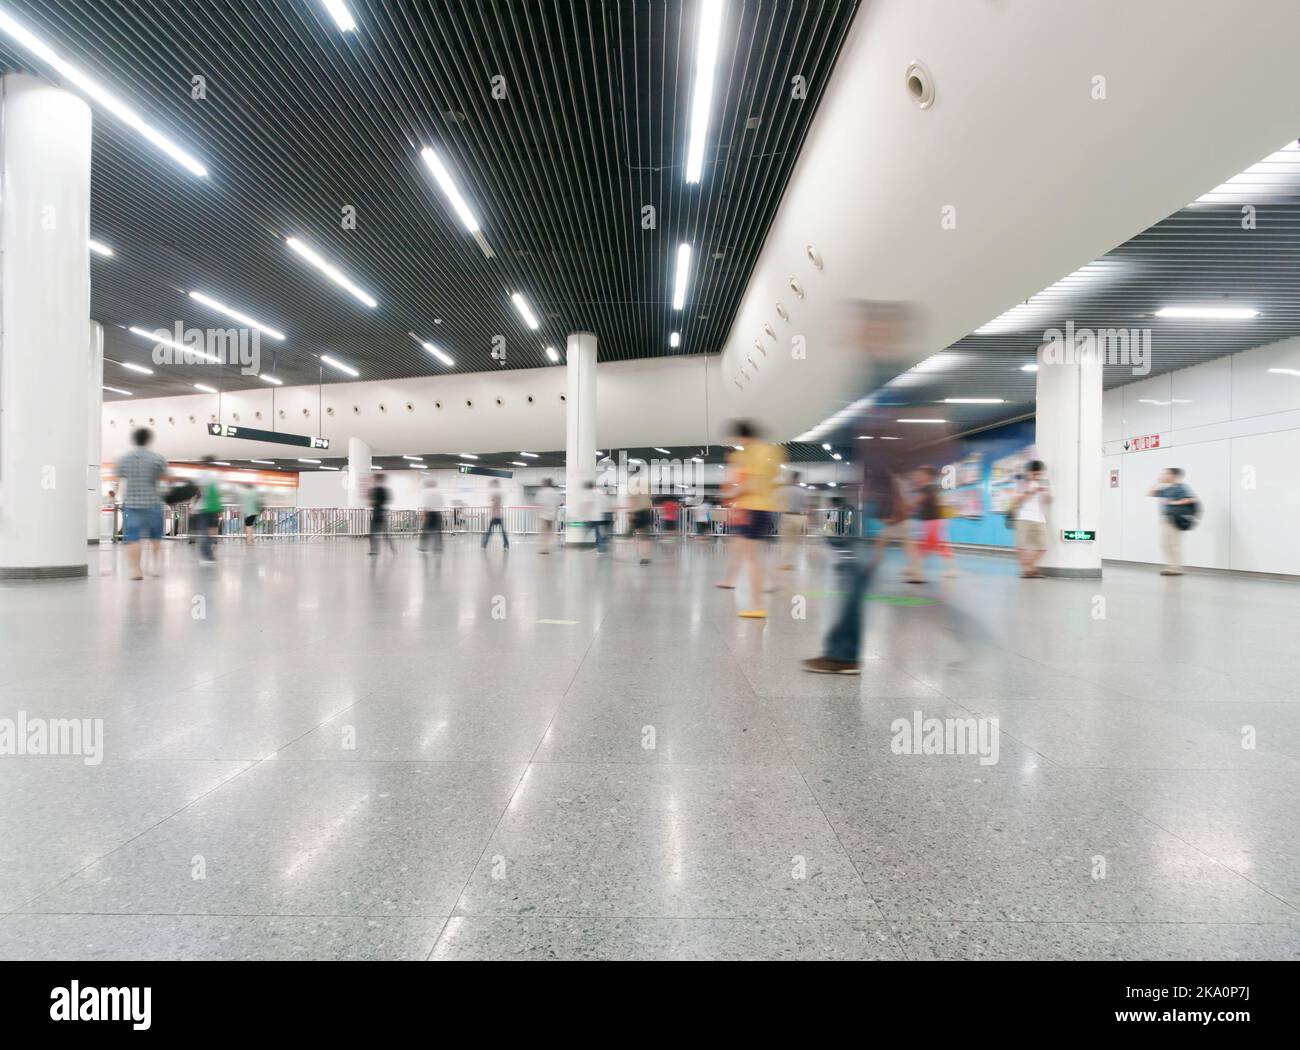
{"x":311,"y":753}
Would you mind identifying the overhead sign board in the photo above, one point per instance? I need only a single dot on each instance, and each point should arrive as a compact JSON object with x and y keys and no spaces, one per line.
{"x":489,"y":472}
{"x":274,"y":436}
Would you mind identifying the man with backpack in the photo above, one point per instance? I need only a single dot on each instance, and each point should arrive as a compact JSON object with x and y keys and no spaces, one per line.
{"x":1179,"y":511}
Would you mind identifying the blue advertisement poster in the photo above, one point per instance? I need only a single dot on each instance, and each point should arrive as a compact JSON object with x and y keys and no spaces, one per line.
{"x":985,"y":477}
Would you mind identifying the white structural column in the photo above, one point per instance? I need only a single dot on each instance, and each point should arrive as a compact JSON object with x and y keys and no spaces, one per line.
{"x":44,"y":311}
{"x":358,"y":472}
{"x":1068,"y":438}
{"x":580,"y":427}
{"x":94,"y":429}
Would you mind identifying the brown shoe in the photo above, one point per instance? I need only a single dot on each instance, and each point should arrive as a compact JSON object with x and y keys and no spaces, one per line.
{"x":825,"y":665}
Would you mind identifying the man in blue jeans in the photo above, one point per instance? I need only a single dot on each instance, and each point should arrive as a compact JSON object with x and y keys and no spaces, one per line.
{"x":879,"y":332}
{"x":141,"y":471}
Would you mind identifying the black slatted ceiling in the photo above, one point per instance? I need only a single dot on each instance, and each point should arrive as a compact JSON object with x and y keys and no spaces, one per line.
{"x":301,"y":119}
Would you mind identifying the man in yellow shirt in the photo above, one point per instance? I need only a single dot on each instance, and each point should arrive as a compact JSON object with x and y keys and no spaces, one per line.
{"x":753,"y":473}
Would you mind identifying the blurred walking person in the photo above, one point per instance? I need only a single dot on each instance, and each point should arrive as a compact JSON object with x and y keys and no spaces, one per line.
{"x":208,"y":517}
{"x":380,"y":497}
{"x":1032,"y":502}
{"x":431,"y":504}
{"x":140,"y":472}
{"x":882,"y":332}
{"x":794,"y":510}
{"x":641,"y":516}
{"x":1178,"y":512}
{"x":931,"y":538}
{"x":496,"y":519}
{"x":549,"y":499}
{"x":752,"y":472}
{"x":704,"y":518}
{"x":250,"y":503}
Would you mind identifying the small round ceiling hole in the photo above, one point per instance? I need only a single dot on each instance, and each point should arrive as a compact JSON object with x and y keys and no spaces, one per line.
{"x":920,"y":84}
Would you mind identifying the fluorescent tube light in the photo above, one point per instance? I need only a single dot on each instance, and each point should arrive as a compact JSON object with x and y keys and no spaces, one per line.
{"x":36,"y":46}
{"x":235,"y":315}
{"x":521,"y":304}
{"x":1208,"y":313}
{"x":330,"y":270}
{"x":335,"y":363}
{"x":707,"y":40}
{"x":683,"y":275}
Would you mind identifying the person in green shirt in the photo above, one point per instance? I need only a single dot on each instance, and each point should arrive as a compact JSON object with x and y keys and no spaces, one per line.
{"x":250,"y":502}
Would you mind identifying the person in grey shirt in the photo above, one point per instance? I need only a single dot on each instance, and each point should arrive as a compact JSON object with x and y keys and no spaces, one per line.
{"x":141,"y":471}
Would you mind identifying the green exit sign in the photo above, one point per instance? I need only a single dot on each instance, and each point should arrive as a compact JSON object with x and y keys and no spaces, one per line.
{"x":1078,"y":535}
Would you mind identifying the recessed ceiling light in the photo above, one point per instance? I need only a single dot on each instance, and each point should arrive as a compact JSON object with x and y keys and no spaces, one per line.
{"x":220,"y":463}
{"x":264,"y":462}
{"x":301,"y":460}
{"x":99,"y":248}
{"x":1029,"y":368}
{"x":883,"y":438}
{"x":697,"y":459}
{"x":675,"y":340}
{"x":112,"y":103}
{"x":553,"y":354}
{"x":271,"y":379}
{"x":329,"y":468}
{"x":202,"y":355}
{"x":521,"y":304}
{"x":330,"y":270}
{"x":205,"y":388}
{"x":119,"y":390}
{"x":338,"y":10}
{"x":244,"y":319}
{"x":1285,"y":371}
{"x":517,"y":463}
{"x":439,"y":354}
{"x":708,"y":37}
{"x":867,"y":437}
{"x":826,"y":447}
{"x":1208,"y":313}
{"x":336,"y":363}
{"x":133,"y":367}
{"x":533,"y":455}
{"x":665,"y":451}
{"x":466,"y":455}
{"x":683,"y":275}
{"x":923,"y":421}
{"x":973,"y":401}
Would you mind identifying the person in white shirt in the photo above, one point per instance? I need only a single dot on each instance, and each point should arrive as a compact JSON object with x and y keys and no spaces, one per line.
{"x":431,"y":503}
{"x":704,"y":517}
{"x":548,"y":510}
{"x":1033,"y":498}
{"x":794,"y":505}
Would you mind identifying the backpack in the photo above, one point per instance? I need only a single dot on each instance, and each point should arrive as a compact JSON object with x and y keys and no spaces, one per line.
{"x":1186,"y":516}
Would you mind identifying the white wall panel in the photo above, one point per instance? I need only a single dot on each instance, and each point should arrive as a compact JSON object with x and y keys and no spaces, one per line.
{"x":1266,"y":517}
{"x":1255,"y":390}
{"x":1141,"y":415}
{"x":1202,"y":394}
{"x":1112,"y":414}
